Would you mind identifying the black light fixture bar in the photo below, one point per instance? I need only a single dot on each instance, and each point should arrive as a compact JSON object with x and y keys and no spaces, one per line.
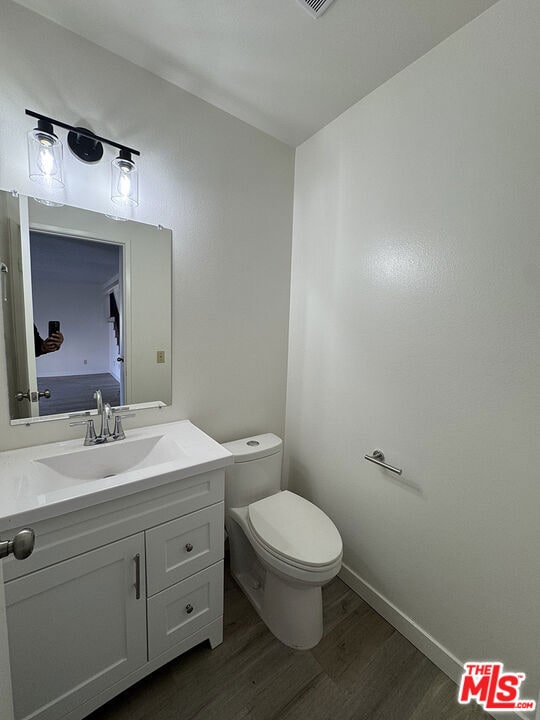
{"x":82,"y":132}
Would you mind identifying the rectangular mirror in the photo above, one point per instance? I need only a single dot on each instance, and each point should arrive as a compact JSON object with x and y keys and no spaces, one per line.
{"x":86,"y":305}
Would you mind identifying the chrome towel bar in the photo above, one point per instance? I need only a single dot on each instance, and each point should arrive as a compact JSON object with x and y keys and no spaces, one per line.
{"x":378,"y":459}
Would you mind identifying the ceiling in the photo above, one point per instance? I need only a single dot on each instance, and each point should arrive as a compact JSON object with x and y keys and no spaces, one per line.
{"x":269,"y":63}
{"x":55,"y":258}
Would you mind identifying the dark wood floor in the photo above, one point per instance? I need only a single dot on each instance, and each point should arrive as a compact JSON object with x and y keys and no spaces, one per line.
{"x":363,"y":669}
{"x":73,"y":393}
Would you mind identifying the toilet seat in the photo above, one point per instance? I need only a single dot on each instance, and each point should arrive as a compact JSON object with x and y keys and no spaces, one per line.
{"x":295,"y":531}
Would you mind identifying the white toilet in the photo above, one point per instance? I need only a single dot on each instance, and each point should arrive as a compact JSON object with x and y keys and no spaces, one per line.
{"x":283,"y":548}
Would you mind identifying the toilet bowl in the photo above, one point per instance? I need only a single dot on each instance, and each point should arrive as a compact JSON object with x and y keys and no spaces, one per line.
{"x":283,"y":548}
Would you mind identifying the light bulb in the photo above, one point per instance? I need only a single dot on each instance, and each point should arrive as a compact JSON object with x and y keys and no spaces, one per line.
{"x":124,"y":183}
{"x":46,"y":161}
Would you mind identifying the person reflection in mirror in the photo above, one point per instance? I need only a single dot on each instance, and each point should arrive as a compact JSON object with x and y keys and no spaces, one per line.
{"x":51,"y":344}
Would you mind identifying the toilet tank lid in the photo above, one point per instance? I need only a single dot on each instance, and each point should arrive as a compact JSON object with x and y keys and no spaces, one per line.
{"x":254,"y":447}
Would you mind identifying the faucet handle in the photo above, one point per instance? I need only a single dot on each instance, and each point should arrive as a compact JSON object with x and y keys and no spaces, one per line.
{"x":90,"y":438}
{"x":119,"y":433}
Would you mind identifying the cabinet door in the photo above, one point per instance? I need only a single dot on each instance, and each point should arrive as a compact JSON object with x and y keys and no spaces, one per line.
{"x":76,"y":628}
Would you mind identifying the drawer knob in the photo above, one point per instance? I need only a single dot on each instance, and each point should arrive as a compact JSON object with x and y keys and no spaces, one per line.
{"x":189,"y":547}
{"x":189,"y":608}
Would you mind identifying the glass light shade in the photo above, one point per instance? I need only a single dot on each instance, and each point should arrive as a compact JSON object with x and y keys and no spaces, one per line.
{"x":45,"y":159}
{"x":124,"y":182}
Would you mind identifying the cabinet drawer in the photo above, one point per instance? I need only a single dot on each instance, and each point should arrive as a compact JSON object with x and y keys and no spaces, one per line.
{"x":178,"y":549}
{"x":181,"y":610}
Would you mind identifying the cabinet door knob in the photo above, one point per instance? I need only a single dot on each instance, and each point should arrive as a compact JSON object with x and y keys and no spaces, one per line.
{"x":189,"y":608}
{"x":21,"y":546}
{"x":189,"y":547}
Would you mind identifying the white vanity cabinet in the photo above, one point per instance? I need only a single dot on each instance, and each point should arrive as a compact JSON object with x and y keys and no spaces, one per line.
{"x":112,"y":592}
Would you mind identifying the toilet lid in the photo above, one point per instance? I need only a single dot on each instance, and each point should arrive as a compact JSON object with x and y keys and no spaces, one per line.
{"x":295,"y":529}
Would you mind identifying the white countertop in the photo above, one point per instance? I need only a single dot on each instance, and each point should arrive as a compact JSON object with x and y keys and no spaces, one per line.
{"x":31,"y":491}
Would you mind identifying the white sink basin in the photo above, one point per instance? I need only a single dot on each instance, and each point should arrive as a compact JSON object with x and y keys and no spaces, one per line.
{"x":44,"y":481}
{"x":108,"y":460}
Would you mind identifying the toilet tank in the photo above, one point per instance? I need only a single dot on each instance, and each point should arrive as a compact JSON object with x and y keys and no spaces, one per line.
{"x":256,"y":472}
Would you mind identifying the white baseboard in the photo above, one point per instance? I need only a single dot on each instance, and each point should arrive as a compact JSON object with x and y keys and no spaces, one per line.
{"x":426,"y":643}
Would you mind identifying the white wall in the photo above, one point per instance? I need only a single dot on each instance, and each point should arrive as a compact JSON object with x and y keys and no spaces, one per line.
{"x":84,"y":326}
{"x":414,"y":328}
{"x":225,"y":190}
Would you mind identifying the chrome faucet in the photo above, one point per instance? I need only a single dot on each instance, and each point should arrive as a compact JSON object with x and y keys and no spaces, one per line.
{"x":105,"y":413}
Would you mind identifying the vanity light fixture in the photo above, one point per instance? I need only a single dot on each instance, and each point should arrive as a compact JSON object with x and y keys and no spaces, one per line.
{"x":45,"y":158}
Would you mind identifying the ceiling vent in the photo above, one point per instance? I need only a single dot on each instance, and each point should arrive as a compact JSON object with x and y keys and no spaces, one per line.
{"x":316,"y":8}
